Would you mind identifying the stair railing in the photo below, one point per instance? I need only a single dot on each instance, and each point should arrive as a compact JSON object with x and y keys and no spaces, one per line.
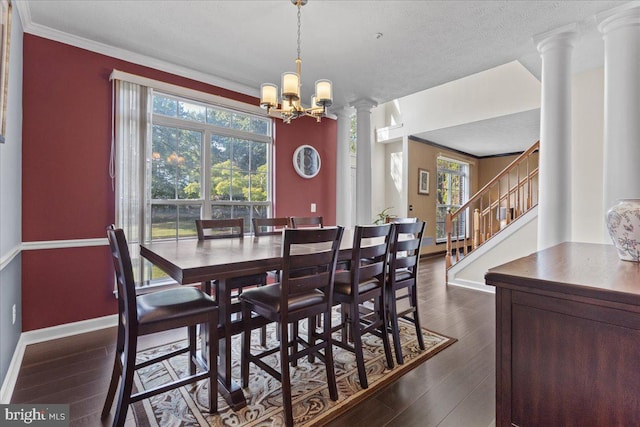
{"x":509,"y":195}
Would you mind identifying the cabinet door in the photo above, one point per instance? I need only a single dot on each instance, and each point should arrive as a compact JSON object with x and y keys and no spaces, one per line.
{"x":573,"y":363}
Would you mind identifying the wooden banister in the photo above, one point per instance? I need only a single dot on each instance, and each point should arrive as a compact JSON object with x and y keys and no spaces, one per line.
{"x":510,"y":194}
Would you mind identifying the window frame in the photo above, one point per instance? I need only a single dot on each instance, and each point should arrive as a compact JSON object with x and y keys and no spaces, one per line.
{"x":465,"y":181}
{"x":207,"y":131}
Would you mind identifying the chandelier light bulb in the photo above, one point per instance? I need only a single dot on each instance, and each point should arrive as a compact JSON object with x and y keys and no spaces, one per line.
{"x":268,"y":95}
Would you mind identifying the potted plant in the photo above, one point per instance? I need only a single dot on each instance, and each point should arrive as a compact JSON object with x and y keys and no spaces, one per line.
{"x":383,"y":216}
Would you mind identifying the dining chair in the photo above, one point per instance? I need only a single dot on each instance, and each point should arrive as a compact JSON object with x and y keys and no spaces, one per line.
{"x":228,"y":229}
{"x":298,"y":296}
{"x":306,"y":221}
{"x":404,"y":258}
{"x":150,"y":313}
{"x":364,"y":282}
{"x":401,"y":220}
{"x":269,"y":226}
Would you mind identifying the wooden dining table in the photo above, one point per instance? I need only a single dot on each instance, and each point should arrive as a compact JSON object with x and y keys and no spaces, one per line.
{"x":190,"y":261}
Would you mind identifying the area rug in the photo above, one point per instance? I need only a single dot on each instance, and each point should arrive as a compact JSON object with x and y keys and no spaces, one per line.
{"x":312,"y":406}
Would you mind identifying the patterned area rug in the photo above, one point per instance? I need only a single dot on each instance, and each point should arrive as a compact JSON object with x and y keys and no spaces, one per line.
{"x":186,"y":406}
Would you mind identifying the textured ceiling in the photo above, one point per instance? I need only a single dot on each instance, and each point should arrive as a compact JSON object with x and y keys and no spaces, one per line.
{"x":246,"y":43}
{"x":506,"y":134}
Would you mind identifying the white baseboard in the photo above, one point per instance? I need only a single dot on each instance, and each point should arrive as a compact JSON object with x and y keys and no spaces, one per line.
{"x":469,"y":284}
{"x":10,"y":379}
{"x":46,"y":334}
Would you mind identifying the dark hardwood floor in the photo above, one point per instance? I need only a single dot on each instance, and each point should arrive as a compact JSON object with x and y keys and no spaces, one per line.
{"x":454,"y":388}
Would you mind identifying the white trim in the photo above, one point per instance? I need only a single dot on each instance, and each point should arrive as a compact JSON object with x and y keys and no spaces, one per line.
{"x":9,"y":383}
{"x":69,"y":329}
{"x":9,"y":256}
{"x":126,"y":55}
{"x":46,"y":334}
{"x":187,"y":93}
{"x":470,"y":284}
{"x":62,"y":244}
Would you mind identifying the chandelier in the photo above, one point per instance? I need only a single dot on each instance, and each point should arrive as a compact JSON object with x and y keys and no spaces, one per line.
{"x":290,"y":105}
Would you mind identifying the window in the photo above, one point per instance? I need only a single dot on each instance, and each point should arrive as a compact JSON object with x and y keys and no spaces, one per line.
{"x":452,"y":192}
{"x":176,"y":159}
{"x":230,"y":146}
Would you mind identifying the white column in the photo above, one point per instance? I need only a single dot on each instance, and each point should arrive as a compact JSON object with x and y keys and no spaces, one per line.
{"x":621,"y":32}
{"x":363,"y":164}
{"x":343,"y":169}
{"x":554,"y":205}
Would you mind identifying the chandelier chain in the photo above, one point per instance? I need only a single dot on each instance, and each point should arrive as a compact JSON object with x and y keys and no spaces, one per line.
{"x":299,"y":15}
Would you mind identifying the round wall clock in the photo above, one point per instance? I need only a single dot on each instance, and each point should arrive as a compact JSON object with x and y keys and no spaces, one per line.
{"x":306,"y":161}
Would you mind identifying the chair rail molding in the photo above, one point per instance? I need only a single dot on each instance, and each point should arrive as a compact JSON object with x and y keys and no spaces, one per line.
{"x":62,"y":244}
{"x":5,"y":259}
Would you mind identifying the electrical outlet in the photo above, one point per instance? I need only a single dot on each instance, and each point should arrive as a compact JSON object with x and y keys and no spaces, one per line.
{"x":14,"y":311}
{"x":313,"y":207}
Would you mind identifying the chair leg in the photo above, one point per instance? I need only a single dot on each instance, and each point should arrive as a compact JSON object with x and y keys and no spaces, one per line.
{"x":311,"y":336}
{"x":294,"y":339}
{"x":344,"y":315}
{"x":191,"y":331}
{"x":113,"y":385}
{"x":116,"y":373}
{"x":213,"y":362}
{"x":395,"y":327}
{"x":128,"y":369}
{"x":246,"y":348}
{"x":263,"y":336}
{"x":416,"y":317}
{"x":328,"y":357}
{"x":382,"y":313}
{"x":286,"y":377}
{"x":357,"y":343}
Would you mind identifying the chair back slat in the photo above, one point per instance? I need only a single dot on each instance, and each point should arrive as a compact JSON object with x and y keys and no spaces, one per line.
{"x":371,"y":270}
{"x":220,"y":228}
{"x":306,"y":221}
{"x":373,"y":251}
{"x":307,"y":283}
{"x":408,"y":245}
{"x":269,"y":226}
{"x":309,"y":268}
{"x":405,"y":261}
{"x":398,"y":220}
{"x":405,"y":248}
{"x":369,"y":254}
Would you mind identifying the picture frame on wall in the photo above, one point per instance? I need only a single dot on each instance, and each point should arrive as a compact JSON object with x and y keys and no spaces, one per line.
{"x":5,"y":38}
{"x":423,"y":181}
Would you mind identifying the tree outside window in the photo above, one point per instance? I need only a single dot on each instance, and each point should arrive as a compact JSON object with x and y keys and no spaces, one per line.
{"x":188,"y":138}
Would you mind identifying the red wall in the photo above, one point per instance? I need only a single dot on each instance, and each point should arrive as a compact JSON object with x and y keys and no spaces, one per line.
{"x":66,"y":187}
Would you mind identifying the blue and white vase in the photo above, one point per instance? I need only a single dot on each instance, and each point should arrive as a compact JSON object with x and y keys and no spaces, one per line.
{"x":623,"y":223}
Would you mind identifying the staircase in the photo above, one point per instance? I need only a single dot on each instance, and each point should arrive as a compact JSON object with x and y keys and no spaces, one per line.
{"x":509,"y":196}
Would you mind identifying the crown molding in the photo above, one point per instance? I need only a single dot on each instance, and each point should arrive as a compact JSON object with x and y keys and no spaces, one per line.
{"x":126,"y":55}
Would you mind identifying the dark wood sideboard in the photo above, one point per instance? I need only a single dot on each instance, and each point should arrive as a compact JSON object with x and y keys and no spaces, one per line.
{"x":568,"y":338}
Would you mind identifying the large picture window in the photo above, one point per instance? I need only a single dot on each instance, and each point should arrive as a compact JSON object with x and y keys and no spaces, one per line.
{"x":452,"y":192}
{"x":179,"y":159}
{"x":231,"y":147}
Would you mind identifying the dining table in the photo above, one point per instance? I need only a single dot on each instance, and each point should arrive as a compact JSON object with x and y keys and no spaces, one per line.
{"x":190,"y":261}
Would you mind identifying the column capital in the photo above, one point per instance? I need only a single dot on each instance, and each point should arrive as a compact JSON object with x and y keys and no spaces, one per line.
{"x":565,"y":36}
{"x":364,"y":104}
{"x":623,"y":16}
{"x":343,"y":113}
